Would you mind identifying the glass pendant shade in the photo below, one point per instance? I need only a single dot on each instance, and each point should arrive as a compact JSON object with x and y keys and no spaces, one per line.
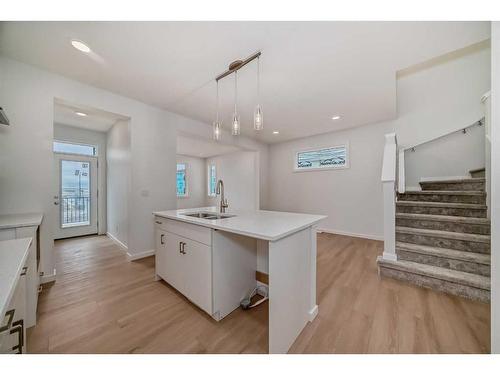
{"x":217,"y":130}
{"x":235,"y":125}
{"x":258,"y":120}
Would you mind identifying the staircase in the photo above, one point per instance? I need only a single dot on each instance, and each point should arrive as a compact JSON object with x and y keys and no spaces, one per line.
{"x":443,"y":238}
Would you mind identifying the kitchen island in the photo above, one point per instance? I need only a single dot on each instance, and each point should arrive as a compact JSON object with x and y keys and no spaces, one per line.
{"x":211,"y":258}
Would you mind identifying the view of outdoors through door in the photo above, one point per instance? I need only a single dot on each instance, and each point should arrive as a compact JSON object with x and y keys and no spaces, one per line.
{"x":75,"y":189}
{"x":75,"y":193}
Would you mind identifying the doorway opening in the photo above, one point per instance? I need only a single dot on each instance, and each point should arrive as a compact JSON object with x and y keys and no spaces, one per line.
{"x":90,"y":172}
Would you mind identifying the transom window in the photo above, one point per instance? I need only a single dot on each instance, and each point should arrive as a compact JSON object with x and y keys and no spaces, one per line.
{"x":74,"y":148}
{"x":322,"y":158}
{"x":212,"y":180}
{"x":181,"y":180}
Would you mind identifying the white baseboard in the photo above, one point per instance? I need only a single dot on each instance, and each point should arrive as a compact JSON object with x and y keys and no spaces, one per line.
{"x":118,"y":242}
{"x":313,"y":313}
{"x":350,"y":234}
{"x":48,"y":278}
{"x":143,"y":254}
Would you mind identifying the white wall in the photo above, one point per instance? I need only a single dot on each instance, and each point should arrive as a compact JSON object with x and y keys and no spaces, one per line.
{"x":432,"y":100}
{"x":443,"y":97}
{"x":27,"y":93}
{"x":239,"y":172}
{"x":72,"y":134}
{"x":495,"y":188}
{"x":352,"y":197}
{"x":451,"y":156}
{"x":196,"y":175}
{"x":118,"y":180}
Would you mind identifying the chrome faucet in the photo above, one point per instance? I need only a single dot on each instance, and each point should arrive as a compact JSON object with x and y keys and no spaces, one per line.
{"x":223,"y":201}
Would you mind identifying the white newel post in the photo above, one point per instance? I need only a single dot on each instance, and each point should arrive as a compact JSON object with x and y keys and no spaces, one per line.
{"x":389,"y":191}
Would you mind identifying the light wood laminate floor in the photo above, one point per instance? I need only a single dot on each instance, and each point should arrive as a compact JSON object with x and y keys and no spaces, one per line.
{"x":101,"y":303}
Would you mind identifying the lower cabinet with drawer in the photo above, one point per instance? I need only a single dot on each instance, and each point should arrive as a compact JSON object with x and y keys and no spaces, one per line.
{"x":186,"y":265}
{"x":212,"y":269}
{"x":13,"y":327}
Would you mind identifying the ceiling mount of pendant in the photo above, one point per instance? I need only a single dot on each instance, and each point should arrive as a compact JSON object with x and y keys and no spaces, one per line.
{"x":236,"y":65}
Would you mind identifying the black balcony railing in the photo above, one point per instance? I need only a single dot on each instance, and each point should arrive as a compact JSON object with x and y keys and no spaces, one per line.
{"x":75,"y":210}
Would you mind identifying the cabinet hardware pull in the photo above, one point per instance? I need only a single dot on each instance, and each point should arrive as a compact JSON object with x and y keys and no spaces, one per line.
{"x":40,"y":288}
{"x":19,"y":329}
{"x":183,"y":248}
{"x":158,"y":222}
{"x":180,"y":246}
{"x":10,"y":314}
{"x":161,"y":239}
{"x":25,"y":269}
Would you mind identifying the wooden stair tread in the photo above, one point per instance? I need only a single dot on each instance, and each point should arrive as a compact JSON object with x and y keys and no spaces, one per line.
{"x":473,"y":206}
{"x":445,"y":253}
{"x":445,"y":192}
{"x":445,"y":234}
{"x":477,"y":170}
{"x":454,"y":219}
{"x":458,"y":277}
{"x":457,"y":181}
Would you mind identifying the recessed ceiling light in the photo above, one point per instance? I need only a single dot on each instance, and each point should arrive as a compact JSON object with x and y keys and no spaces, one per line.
{"x":80,"y":46}
{"x":80,"y":114}
{"x":276,"y":132}
{"x":336,"y":118}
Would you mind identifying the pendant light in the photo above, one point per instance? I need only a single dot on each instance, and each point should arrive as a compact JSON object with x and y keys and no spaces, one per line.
{"x":235,"y":122}
{"x":235,"y":125}
{"x":217,"y":126}
{"x":258,"y":119}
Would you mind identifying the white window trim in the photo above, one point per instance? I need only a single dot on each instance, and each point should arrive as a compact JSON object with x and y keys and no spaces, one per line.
{"x":208,"y":179}
{"x":96,"y":148}
{"x":186,"y":169}
{"x":330,"y":167}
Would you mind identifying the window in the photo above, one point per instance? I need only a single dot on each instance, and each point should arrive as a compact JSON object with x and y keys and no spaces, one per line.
{"x":74,"y":148}
{"x":181,"y":180}
{"x":323,"y":158}
{"x":212,"y":180}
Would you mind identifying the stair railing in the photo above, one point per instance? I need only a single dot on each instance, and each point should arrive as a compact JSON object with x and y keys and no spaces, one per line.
{"x":402,"y":150}
{"x":389,"y":183}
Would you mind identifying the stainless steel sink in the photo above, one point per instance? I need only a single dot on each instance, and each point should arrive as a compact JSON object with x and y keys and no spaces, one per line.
{"x":209,"y":215}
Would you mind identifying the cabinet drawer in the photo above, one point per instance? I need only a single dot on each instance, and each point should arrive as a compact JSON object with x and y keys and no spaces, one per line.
{"x":191,"y":231}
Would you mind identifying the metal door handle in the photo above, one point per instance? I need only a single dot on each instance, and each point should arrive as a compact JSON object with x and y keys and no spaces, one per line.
{"x":19,"y":329}
{"x":158,"y":222}
{"x":161,"y":239}
{"x":7,"y":326}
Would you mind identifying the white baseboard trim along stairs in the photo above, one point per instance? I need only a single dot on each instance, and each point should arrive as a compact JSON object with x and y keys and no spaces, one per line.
{"x":443,"y":238}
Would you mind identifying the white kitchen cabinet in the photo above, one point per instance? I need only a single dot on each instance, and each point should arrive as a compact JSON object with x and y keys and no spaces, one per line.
{"x":186,"y":265}
{"x":214,"y":279}
{"x":13,"y":327}
{"x":197,"y":264}
{"x":26,"y":226}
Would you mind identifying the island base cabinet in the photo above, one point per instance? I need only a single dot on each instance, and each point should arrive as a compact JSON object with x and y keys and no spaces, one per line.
{"x":187,"y":266}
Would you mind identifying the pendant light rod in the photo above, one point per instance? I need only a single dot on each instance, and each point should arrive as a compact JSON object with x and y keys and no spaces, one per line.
{"x":236,"y":65}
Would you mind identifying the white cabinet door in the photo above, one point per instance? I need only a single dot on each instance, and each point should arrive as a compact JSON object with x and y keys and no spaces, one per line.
{"x":170,"y":261}
{"x":197,"y":259}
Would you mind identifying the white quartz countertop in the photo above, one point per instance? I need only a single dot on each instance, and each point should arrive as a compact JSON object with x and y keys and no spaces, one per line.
{"x":265,"y":225}
{"x":20,"y":220}
{"x":13,"y":254}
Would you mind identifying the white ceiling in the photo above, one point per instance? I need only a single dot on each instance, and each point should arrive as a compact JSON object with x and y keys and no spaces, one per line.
{"x":96,"y":119}
{"x":310,"y":70}
{"x":202,"y":148}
